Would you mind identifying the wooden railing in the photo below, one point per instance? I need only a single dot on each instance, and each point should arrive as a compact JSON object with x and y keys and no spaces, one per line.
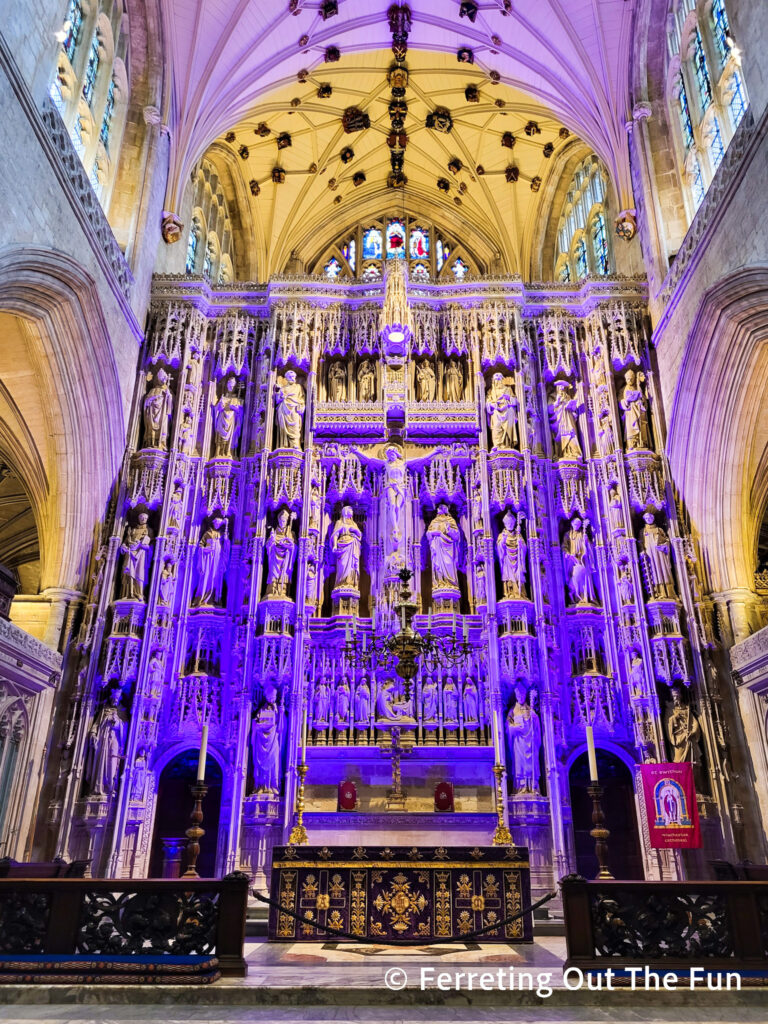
{"x":716,"y":925}
{"x":127,"y":917}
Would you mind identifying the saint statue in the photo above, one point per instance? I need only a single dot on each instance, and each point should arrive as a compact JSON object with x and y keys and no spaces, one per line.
{"x":212,"y":555}
{"x":289,"y":411}
{"x":136,"y":552}
{"x":450,"y":702}
{"x":342,"y":702}
{"x":158,"y":408}
{"x":429,"y":700}
{"x":395,"y":476}
{"x":471,"y":702}
{"x":389,"y":708}
{"x":562,"y":414}
{"x":657,"y":558}
{"x":682,"y":728}
{"x":635,"y":409}
{"x":175,"y":508}
{"x":362,"y":702}
{"x":606,"y":442}
{"x":167,"y":579}
{"x":636,"y":674}
{"x":453,"y":385}
{"x":345,"y":544}
{"x":366,"y":381}
{"x":315,"y":507}
{"x":337,"y":382}
{"x":443,"y":537}
{"x":577,"y":550}
{"x":511,"y":549}
{"x":266,"y":735}
{"x":105,"y":748}
{"x":281,"y":553}
{"x":615,"y":511}
{"x":425,"y":381}
{"x":523,"y":729}
{"x":501,"y":410}
{"x":227,"y":421}
{"x":322,"y":704}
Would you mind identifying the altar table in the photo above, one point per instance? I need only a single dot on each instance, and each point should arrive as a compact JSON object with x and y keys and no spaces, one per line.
{"x":399,"y":892}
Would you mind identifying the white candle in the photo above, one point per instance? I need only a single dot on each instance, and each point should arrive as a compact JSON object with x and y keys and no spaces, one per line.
{"x":304,"y":737}
{"x":203,"y":754}
{"x":591,"y":754}
{"x":354,"y":626}
{"x":454,"y":625}
{"x":466,"y":629}
{"x":347,"y":634}
{"x":429,"y":621}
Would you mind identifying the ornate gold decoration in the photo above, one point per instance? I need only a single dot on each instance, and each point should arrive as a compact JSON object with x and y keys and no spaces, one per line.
{"x":298,"y":836}
{"x":400,"y":903}
{"x":502,"y":836}
{"x":323,"y":901}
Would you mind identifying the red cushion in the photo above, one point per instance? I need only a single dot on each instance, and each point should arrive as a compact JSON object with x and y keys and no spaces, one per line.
{"x":347,"y":796}
{"x":444,"y":796}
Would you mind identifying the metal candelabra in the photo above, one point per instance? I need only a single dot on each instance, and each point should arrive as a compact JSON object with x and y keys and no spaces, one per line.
{"x":195,"y":833}
{"x":501,"y":836}
{"x":599,"y":833}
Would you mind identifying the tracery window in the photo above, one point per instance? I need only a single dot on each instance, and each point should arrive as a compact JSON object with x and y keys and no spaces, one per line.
{"x":332,"y":268}
{"x":706,"y":90}
{"x":210,"y":227}
{"x":92,"y":69}
{"x":584,"y":217}
{"x":109,"y":113}
{"x":192,"y":243}
{"x":600,"y":244}
{"x":395,"y":239}
{"x":73,"y":28}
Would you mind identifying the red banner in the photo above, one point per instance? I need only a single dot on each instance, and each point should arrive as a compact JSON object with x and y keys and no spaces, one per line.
{"x":670,"y":806}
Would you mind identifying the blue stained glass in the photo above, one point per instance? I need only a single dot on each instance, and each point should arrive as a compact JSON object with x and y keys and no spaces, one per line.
{"x":191,"y":252}
{"x":702,"y":71}
{"x":96,"y":182}
{"x":349,"y":252}
{"x":460,"y":269}
{"x":332,"y":268}
{"x":722,"y":30}
{"x":109,"y":112}
{"x":419,"y":272}
{"x":395,"y":239}
{"x":419,"y":244}
{"x":56,"y":94}
{"x":697,"y":183}
{"x":442,"y":253}
{"x":77,"y":136}
{"x":565,"y":272}
{"x":737,"y":104}
{"x":92,"y":70}
{"x":582,"y":266}
{"x":716,"y":147}
{"x":372,"y":244}
{"x":685,"y":113}
{"x":74,"y":28}
{"x":600,"y":245}
{"x":372,"y":273}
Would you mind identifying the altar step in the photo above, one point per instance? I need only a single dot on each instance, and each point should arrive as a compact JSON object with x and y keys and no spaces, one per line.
{"x":256,"y":919}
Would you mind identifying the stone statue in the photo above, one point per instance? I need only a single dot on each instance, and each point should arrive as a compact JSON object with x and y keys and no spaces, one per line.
{"x":289,"y":411}
{"x":615,"y":511}
{"x":186,"y":431}
{"x":106,"y":740}
{"x":342,"y":702}
{"x":682,"y":729}
{"x":362,"y":703}
{"x":322,"y":704}
{"x":426,"y":382}
{"x":635,"y":409}
{"x":429,"y":700}
{"x":345,"y":544}
{"x":624,"y":583}
{"x":657,"y":558}
{"x":337,"y":382}
{"x":453,"y":384}
{"x":579,"y":564}
{"x":562,"y":414}
{"x":606,"y":442}
{"x":395,"y":478}
{"x":158,"y":408}
{"x":366,"y":381}
{"x":471,"y":702}
{"x":266,"y":735}
{"x":167,"y":579}
{"x":511,"y":549}
{"x":501,"y":410}
{"x":636,"y":674}
{"x":523,"y":729}
{"x":139,"y":776}
{"x":155,"y":673}
{"x":227,"y":421}
{"x":389,"y":708}
{"x":212,"y":556}
{"x":443,"y":537}
{"x":450,"y":702}
{"x":315,"y":507}
{"x":476,"y":506}
{"x":136,"y":551}
{"x":175,"y":508}
{"x":281,"y":553}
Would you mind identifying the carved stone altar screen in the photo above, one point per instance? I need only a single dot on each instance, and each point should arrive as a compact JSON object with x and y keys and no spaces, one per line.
{"x":291,"y":449}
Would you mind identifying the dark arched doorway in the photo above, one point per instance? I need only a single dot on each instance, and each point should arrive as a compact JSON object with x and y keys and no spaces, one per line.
{"x":624,"y":856}
{"x":174,"y":805}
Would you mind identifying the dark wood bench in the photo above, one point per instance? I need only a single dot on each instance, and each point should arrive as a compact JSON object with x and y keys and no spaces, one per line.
{"x":57,"y":868}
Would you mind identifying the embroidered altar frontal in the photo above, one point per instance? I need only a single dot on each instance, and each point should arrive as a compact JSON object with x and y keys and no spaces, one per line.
{"x":400,"y":893}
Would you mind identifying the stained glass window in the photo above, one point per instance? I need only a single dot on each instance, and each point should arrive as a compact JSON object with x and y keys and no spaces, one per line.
{"x":96,"y":182}
{"x":92,"y":70}
{"x":372,"y":273}
{"x":77,"y":135}
{"x":73,"y":27}
{"x":697,"y":183}
{"x":716,"y":147}
{"x":600,"y":244}
{"x":722,"y":30}
{"x":737,"y":102}
{"x":582,"y":266}
{"x":191,"y":251}
{"x":332,"y":268}
{"x":685,"y":113}
{"x":442,"y":253}
{"x":349,"y":252}
{"x":372,"y":244}
{"x":395,"y":239}
{"x":56,"y":94}
{"x":701,"y":71}
{"x":459,"y":269}
{"x":565,"y":272}
{"x":208,"y":261}
{"x":109,"y":113}
{"x":419,"y":272}
{"x":419,"y":244}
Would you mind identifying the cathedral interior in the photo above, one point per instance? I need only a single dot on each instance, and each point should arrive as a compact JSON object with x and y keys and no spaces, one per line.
{"x":382,"y":411}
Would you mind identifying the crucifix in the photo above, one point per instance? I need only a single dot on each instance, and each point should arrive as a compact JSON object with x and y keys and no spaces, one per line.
{"x":392,"y":747}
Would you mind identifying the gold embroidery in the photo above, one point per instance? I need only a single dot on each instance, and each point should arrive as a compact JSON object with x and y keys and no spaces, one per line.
{"x":323,"y":901}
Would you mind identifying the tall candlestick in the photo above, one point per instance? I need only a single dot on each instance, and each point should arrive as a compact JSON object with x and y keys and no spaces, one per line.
{"x":466,"y":629}
{"x":429,"y":621}
{"x":454,"y":625}
{"x":347,"y":633}
{"x":203,"y":754}
{"x":591,"y":754}
{"x":354,"y":627}
{"x":304,"y":737}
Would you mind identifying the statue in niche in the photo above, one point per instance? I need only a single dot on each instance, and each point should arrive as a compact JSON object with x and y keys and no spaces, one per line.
{"x":430,"y":700}
{"x":476,"y":506}
{"x":366,"y":381}
{"x":391,"y":709}
{"x":682,"y":729}
{"x":443,"y":537}
{"x":470,"y":701}
{"x":345,"y":544}
{"x":606,"y":442}
{"x":97,"y":576}
{"x":139,"y":777}
{"x":658,"y":560}
{"x":562,"y":414}
{"x":281,"y":554}
{"x":289,"y":411}
{"x":175,"y":508}
{"x":523,"y":729}
{"x":511,"y":549}
{"x":194,"y":370}
{"x":362,"y":702}
{"x":155,"y":673}
{"x":186,"y":432}
{"x":315,"y":506}
{"x":136,"y":552}
{"x":481,"y":595}
{"x":636,"y":674}
{"x":342,"y":702}
{"x":450,"y":702}
{"x":597,"y":366}
{"x":158,"y":409}
{"x":266,"y":736}
{"x":624,"y":583}
{"x":227,"y":421}
{"x":337,"y":382}
{"x":615,"y":511}
{"x":635,"y":409}
{"x":453,"y":384}
{"x":104,"y":749}
{"x":395,"y":480}
{"x":501,"y":410}
{"x":426,"y":382}
{"x":167,"y":580}
{"x":212,"y":556}
{"x":322,"y":704}
{"x":579,"y":564}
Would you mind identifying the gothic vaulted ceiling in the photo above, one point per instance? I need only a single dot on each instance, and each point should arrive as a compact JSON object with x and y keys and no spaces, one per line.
{"x":243,"y":64}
